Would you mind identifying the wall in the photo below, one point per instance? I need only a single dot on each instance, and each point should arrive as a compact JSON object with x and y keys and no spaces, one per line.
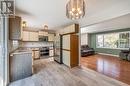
{"x":84,"y":39}
{"x":92,"y":42}
{"x":13,"y":45}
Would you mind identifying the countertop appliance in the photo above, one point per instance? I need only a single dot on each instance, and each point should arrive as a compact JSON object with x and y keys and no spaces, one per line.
{"x":43,"y":38}
{"x":58,"y":49}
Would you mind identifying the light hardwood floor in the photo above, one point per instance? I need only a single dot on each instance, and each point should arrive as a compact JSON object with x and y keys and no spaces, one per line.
{"x":50,"y":73}
{"x":108,"y":65}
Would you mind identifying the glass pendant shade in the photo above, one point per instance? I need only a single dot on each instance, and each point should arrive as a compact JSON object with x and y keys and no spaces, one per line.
{"x":24,"y":24}
{"x":45,"y":27}
{"x":75,"y":9}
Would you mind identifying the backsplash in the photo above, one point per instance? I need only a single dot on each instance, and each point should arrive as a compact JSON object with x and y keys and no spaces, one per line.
{"x":36,"y":44}
{"x":13,"y":45}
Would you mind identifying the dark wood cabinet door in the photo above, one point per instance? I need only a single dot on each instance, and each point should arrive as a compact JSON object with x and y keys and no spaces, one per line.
{"x":15,"y":28}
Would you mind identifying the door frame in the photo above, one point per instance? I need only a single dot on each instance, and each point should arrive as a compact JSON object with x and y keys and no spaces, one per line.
{"x":5,"y":50}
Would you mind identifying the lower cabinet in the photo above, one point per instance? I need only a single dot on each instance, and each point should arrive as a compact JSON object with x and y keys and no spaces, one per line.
{"x":51,"y":52}
{"x":66,"y":57}
{"x":36,"y":54}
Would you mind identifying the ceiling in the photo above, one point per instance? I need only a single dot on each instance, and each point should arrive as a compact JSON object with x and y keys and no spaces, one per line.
{"x":53,"y":13}
{"x":121,"y":22}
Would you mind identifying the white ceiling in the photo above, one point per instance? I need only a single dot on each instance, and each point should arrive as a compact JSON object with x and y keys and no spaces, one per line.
{"x":53,"y":13}
{"x":112,"y":24}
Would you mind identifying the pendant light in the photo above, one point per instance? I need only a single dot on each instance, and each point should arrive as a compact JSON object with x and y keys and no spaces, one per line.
{"x":75,"y":9}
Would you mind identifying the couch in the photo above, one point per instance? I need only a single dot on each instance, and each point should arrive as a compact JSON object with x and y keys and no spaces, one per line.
{"x":86,"y":51}
{"x":125,"y":54}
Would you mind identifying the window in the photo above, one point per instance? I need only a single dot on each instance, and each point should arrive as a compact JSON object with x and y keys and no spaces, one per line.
{"x":124,"y":40}
{"x":15,"y":44}
{"x":113,"y":40}
{"x":100,"y":39}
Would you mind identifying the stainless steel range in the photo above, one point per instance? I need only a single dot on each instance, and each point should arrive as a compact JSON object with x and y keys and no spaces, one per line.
{"x":44,"y":51}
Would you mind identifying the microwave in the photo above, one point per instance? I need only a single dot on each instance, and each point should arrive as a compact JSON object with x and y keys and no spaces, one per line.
{"x":43,"y":38}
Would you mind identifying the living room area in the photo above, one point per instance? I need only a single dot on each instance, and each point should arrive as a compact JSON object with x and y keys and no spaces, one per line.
{"x":105,"y":48}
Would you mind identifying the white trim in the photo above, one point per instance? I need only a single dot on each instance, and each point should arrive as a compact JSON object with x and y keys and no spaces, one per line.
{"x":2,"y":65}
{"x":109,"y":54}
{"x":113,"y":48}
{"x":79,"y":34}
{"x":6,"y":51}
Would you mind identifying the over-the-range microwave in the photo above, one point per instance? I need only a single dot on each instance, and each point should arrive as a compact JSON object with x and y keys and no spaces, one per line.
{"x":43,"y":38}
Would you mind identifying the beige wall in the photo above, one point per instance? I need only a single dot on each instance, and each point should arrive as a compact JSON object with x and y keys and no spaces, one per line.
{"x":84,"y":39}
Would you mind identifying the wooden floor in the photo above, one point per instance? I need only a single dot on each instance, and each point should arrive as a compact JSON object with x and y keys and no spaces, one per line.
{"x":50,"y":73}
{"x":108,"y":65}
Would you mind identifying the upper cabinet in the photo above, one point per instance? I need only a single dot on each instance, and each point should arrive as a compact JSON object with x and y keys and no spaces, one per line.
{"x":25,"y":36}
{"x":43,"y":33}
{"x":30,"y":36}
{"x":66,"y":42}
{"x":34,"y":36}
{"x":51,"y":37}
{"x":74,"y":28}
{"x":15,"y":28}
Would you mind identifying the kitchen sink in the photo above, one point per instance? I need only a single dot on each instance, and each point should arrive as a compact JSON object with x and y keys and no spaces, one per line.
{"x":21,"y":50}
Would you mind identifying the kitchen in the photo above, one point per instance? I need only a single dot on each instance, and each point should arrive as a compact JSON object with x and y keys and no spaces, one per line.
{"x":29,"y":45}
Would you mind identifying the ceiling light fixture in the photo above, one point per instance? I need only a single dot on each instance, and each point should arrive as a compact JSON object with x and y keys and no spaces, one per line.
{"x":24,"y":24}
{"x":45,"y":27}
{"x":75,"y":9}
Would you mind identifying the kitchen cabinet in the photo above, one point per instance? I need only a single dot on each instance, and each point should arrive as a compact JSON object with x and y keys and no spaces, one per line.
{"x":30,"y":36}
{"x":66,"y":42}
{"x":70,"y":50}
{"x":36,"y":54}
{"x":25,"y":36}
{"x":51,"y":37}
{"x":15,"y":30}
{"x":33,"y":36}
{"x":43,"y":33}
{"x":66,"y":57}
{"x":71,"y":29}
{"x":51,"y":52}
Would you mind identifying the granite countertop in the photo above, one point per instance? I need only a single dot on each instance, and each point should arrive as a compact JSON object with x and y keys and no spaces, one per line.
{"x":19,"y":51}
{"x":36,"y":48}
{"x":30,"y":49}
{"x":24,"y":50}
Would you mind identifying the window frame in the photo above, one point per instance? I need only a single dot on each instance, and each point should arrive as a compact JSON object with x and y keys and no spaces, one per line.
{"x":111,"y":33}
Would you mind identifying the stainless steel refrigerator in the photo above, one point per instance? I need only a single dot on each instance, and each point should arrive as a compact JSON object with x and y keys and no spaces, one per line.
{"x":58,"y":49}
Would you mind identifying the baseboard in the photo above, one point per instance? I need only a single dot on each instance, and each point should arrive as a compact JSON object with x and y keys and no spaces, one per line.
{"x":109,"y":54}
